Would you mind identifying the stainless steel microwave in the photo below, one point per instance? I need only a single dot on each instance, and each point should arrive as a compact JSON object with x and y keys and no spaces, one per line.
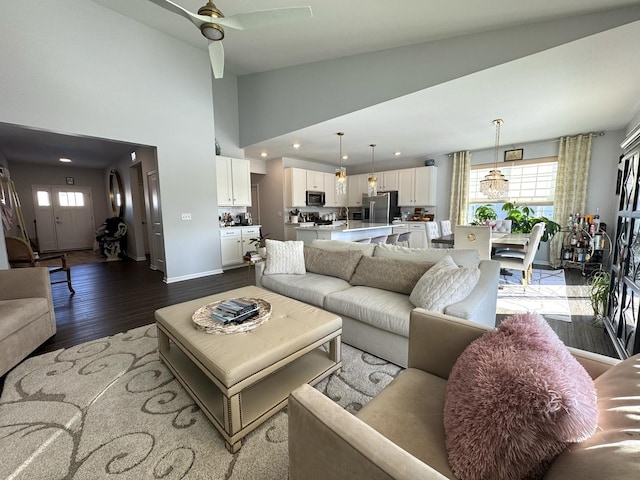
{"x":315,"y":199}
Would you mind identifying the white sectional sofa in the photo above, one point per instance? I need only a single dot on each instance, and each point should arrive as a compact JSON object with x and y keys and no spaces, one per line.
{"x":372,"y":288}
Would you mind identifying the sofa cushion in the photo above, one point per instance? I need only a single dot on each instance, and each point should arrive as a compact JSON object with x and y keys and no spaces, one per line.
{"x":17,"y":313}
{"x":408,"y":412}
{"x":284,"y":258}
{"x":335,"y":263}
{"x":515,"y":399}
{"x":389,"y":274}
{"x":367,"y":249}
{"x":383,"y":309}
{"x":311,"y":288}
{"x":614,"y":450}
{"x":463,"y":257}
{"x":444,"y":284}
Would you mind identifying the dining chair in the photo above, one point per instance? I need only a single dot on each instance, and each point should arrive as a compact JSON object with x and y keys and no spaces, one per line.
{"x":433,"y":231}
{"x":445,"y":227}
{"x":502,"y":226}
{"x":21,"y":254}
{"x":477,"y":237}
{"x":523,"y":261}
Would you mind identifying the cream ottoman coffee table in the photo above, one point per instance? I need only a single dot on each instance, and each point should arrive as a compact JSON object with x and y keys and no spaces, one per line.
{"x":239,"y":380}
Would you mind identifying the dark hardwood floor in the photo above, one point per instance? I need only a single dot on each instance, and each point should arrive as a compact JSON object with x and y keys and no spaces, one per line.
{"x":113,"y":297}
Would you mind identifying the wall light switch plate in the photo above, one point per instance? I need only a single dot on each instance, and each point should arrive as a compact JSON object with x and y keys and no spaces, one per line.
{"x":186,"y":216}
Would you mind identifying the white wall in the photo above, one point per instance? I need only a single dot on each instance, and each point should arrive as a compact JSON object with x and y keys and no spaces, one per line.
{"x":101,"y":74}
{"x":225,"y":104}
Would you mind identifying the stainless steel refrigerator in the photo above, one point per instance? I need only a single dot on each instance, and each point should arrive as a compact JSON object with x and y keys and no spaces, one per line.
{"x":380,"y":208}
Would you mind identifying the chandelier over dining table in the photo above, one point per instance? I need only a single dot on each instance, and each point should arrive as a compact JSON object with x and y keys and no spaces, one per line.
{"x":495,"y":185}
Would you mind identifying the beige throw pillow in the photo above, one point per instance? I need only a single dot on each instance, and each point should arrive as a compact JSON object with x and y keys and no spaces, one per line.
{"x":389,"y":274}
{"x":443,"y":285}
{"x":334,"y":263}
{"x":284,"y":258}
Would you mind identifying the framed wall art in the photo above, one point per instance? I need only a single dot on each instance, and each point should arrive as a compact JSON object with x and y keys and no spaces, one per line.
{"x":511,"y":155}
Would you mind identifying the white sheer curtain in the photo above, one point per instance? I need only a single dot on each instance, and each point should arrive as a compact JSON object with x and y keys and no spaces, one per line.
{"x":460,"y":188}
{"x":574,"y":155}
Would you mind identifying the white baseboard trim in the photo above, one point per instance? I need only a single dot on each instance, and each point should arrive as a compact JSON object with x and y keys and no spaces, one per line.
{"x":192,"y":276}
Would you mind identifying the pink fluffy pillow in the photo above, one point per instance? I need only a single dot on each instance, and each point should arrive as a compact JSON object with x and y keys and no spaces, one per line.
{"x":515,"y":398}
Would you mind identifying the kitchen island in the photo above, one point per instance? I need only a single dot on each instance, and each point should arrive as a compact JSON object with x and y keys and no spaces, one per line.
{"x":351,"y":232}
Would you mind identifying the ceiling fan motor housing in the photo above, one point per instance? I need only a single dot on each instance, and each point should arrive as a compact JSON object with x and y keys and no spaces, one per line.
{"x":212,"y":31}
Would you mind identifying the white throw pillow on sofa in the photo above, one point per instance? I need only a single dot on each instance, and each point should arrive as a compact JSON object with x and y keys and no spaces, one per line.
{"x":285,"y":258}
{"x":443,"y":285}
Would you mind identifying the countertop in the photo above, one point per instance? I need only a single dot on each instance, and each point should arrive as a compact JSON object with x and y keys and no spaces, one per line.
{"x":351,"y":227}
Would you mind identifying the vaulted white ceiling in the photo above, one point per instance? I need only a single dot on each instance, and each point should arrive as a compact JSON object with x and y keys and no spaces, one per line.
{"x":586,"y":85}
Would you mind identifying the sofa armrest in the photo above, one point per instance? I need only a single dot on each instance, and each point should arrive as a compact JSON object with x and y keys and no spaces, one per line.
{"x":437,"y":340}
{"x":594,"y":363}
{"x":480,"y":304}
{"x":326,"y":441}
{"x":28,"y":282}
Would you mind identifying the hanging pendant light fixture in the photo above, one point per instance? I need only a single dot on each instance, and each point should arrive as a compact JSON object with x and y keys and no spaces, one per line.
{"x":341,"y":173}
{"x":495,"y":185}
{"x":373,"y":180}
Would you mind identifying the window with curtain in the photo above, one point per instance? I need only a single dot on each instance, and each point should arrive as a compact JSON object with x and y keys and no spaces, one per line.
{"x":531,"y":183}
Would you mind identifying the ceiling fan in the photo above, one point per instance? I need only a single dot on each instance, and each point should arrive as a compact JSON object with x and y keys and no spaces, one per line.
{"x":212,"y":21}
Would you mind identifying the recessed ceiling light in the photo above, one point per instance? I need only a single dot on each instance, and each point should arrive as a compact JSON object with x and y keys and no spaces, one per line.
{"x":65,"y":160}
{"x":263,"y":154}
{"x":397,"y":154}
{"x":345,"y":157}
{"x":295,"y":145}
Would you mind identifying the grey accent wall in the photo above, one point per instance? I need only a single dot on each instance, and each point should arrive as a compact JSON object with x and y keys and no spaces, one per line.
{"x":281,"y":101}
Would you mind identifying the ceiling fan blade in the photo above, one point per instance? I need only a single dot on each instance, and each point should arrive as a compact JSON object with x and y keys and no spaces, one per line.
{"x":216,"y":55}
{"x":196,"y":19}
{"x":265,"y":18}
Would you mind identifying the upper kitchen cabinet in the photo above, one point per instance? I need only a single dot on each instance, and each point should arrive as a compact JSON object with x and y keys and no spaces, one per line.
{"x":331,"y":198}
{"x":356,"y":186}
{"x":315,"y":181}
{"x":233,"y":181}
{"x":417,"y":186}
{"x":295,"y":187}
{"x":387,"y":181}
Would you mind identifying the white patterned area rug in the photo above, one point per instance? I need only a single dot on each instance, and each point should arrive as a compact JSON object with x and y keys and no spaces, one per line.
{"x":109,"y":409}
{"x":546,"y":295}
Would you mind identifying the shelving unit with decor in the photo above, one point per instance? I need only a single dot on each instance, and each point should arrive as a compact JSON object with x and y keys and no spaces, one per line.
{"x":623,"y":310}
{"x":586,"y":252}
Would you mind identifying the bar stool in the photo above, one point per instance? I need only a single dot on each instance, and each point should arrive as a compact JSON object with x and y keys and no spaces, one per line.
{"x":393,"y":238}
{"x":380,"y":239}
{"x":403,"y":239}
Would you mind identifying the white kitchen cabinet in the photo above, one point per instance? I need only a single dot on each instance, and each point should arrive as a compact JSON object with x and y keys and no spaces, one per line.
{"x":295,"y":187}
{"x":332,"y":199}
{"x":418,"y":235}
{"x":356,"y":186}
{"x":234,"y":243}
{"x":233,"y":181}
{"x":230,"y":246}
{"x":315,"y":181}
{"x":387,"y":181}
{"x":417,"y":186}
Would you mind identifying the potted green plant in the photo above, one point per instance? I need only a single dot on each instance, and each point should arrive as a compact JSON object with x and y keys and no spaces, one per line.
{"x":599,"y":292}
{"x":260,"y":243}
{"x":522,"y":220}
{"x":483,"y":214}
